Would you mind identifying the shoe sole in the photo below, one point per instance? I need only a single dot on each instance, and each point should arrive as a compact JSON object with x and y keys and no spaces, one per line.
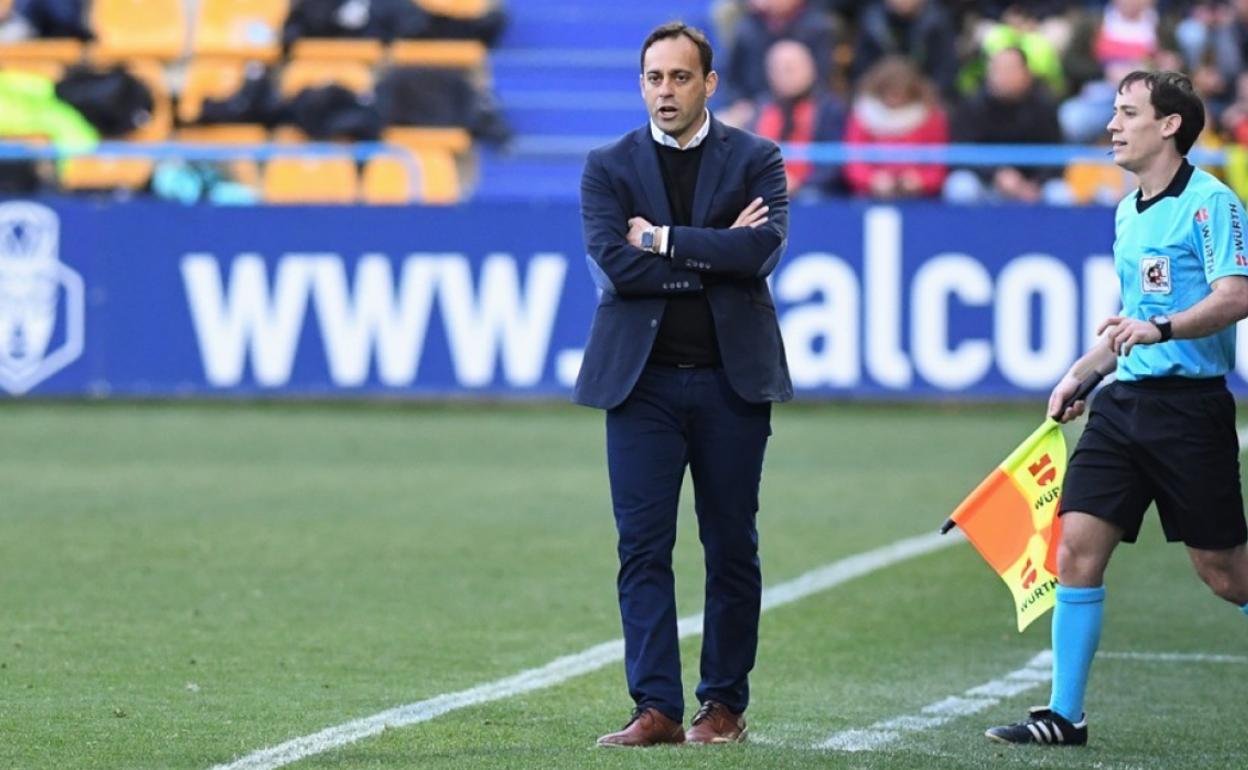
{"x":717,"y":741}
{"x":602,"y":745}
{"x":1003,"y":741}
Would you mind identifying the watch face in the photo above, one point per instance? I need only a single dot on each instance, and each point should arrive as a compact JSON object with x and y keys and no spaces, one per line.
{"x":647,"y":239}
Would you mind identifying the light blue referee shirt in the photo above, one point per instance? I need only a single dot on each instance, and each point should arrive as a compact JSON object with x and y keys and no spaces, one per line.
{"x":1167,"y":251}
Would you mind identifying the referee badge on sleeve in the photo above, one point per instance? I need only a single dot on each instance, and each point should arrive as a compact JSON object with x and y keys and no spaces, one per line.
{"x":1155,"y":275}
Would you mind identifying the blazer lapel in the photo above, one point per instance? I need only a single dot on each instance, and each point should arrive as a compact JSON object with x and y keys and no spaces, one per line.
{"x":646,"y":159}
{"x":714,"y":157}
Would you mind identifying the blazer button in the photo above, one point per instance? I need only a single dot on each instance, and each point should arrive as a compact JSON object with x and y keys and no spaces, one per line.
{"x":654,"y":322}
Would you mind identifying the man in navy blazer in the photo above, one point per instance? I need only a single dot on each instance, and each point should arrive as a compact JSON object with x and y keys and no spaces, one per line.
{"x":684,"y":219}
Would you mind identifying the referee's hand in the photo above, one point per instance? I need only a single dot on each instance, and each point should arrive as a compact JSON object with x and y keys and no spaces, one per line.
{"x":1061,"y":392}
{"x":1125,"y":333}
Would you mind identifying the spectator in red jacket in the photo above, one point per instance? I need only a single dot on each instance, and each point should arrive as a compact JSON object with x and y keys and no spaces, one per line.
{"x":800,"y":112}
{"x":896,"y":104}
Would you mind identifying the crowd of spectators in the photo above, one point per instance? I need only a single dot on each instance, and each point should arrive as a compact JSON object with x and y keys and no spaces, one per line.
{"x":260,"y":79}
{"x":972,"y":71}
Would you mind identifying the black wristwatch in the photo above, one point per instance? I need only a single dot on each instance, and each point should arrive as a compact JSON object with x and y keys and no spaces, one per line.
{"x":1162,"y":322}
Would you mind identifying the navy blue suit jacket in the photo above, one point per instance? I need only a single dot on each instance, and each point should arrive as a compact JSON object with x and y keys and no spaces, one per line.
{"x":623,"y":180}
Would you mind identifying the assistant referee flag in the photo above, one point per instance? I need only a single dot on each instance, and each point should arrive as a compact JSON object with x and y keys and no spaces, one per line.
{"x":1011,"y":520}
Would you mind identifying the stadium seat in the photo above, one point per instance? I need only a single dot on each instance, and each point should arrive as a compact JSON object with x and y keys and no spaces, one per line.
{"x":208,"y":78}
{"x":388,"y":180}
{"x":105,"y":173}
{"x":335,"y":49}
{"x":455,"y":140}
{"x":1092,"y":181}
{"x":461,"y":54}
{"x":121,"y":172}
{"x":300,"y":74}
{"x":250,"y":29}
{"x":62,"y":50}
{"x":152,"y":73}
{"x":138,"y":29}
{"x":439,"y":176}
{"x":426,"y":176}
{"x":461,"y":9}
{"x":52,"y":70}
{"x":231,"y":133}
{"x":310,"y":179}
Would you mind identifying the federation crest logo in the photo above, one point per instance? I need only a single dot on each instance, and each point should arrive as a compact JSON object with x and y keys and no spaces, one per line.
{"x":1202,"y":215}
{"x":42,"y":304}
{"x":1155,"y":275}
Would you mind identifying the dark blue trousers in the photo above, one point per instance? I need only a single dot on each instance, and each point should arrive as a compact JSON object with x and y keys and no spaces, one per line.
{"x":676,"y":418}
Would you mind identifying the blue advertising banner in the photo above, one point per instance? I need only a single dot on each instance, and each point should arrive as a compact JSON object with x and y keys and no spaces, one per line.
{"x":913,"y":301}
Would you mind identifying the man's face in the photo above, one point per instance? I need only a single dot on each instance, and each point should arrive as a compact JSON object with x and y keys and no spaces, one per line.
{"x":790,"y":69}
{"x":1008,"y":76}
{"x":674,"y":88}
{"x":905,"y":8}
{"x":1135,"y":131}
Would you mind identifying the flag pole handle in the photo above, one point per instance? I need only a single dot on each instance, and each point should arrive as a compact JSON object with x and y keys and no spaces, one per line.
{"x":1081,"y":393}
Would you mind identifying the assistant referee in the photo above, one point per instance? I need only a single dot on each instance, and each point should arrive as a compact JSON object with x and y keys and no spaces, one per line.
{"x":1164,"y":430}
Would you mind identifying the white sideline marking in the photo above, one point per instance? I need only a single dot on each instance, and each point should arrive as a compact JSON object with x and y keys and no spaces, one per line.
{"x":569,"y":666}
{"x":973,"y":701}
{"x":976,"y":699}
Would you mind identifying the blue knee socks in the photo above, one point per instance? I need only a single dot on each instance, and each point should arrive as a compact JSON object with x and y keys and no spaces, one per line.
{"x":1076,"y":633}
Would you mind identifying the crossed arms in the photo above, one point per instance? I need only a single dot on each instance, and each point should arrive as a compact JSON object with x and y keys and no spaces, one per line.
{"x":750,"y":248}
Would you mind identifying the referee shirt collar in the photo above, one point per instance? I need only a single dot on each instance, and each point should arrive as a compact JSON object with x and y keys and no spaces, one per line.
{"x":667,"y":140}
{"x":1173,"y":190}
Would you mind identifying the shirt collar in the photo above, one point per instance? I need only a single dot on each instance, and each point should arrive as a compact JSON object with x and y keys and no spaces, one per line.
{"x":667,"y":140}
{"x":1177,"y":185}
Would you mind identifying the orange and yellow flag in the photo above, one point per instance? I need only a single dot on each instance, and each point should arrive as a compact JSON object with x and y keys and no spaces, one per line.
{"x":1011,"y":520}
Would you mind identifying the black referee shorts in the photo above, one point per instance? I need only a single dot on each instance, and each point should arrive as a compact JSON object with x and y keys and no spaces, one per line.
{"x":1171,"y":440}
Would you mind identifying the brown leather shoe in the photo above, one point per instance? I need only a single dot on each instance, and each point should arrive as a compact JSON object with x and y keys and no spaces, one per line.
{"x":714,"y":723}
{"x":648,"y":727}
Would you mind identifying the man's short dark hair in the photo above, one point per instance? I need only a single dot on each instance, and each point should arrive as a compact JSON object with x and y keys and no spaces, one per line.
{"x":1171,"y":93}
{"x":678,"y":29}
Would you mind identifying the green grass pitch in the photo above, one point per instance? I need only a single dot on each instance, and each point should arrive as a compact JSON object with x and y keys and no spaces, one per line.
{"x":185,"y":584}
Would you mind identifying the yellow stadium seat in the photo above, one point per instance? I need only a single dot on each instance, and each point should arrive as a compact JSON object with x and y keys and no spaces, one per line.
{"x":208,"y":79}
{"x":388,"y":180}
{"x":105,"y":173}
{"x":439,"y":176}
{"x":52,"y":70}
{"x":1088,"y":181}
{"x":152,"y":73}
{"x":138,"y":29}
{"x":455,"y":140}
{"x":461,"y":54}
{"x":461,"y":9}
{"x":289,"y":135}
{"x":249,"y":29}
{"x":225,"y":133}
{"x":63,"y":50}
{"x":311,"y":179}
{"x":337,"y":49}
{"x":300,"y":74}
